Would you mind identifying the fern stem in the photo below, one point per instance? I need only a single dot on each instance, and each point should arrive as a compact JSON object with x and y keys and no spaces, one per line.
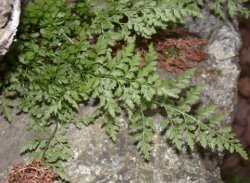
{"x":196,"y":120}
{"x":49,"y":140}
{"x":67,"y":37}
{"x":143,"y":130}
{"x":116,"y":78}
{"x":199,"y":122}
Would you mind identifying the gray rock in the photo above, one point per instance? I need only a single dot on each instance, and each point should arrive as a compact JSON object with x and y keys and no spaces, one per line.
{"x":219,"y":73}
{"x":5,"y":12}
{"x":98,"y":160}
{"x":12,"y":137}
{"x":9,"y":19}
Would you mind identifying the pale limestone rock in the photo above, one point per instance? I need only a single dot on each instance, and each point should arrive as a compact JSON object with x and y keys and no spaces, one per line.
{"x":9,"y":19}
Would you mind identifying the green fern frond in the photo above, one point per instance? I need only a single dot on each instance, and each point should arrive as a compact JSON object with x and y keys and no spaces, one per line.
{"x":67,"y":54}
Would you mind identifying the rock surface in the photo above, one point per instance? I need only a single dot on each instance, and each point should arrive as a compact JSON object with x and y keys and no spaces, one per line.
{"x":9,"y":19}
{"x":219,"y":73}
{"x":98,"y":160}
{"x":12,"y":137}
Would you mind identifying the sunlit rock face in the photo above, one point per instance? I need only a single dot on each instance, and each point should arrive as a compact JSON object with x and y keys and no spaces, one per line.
{"x":5,"y":11}
{"x":9,"y":19}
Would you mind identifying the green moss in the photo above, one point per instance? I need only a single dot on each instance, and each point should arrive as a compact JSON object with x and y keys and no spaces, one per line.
{"x":236,"y":178}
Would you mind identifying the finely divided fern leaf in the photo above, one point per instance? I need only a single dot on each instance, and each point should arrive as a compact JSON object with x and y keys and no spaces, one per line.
{"x":67,"y":54}
{"x":143,"y":134}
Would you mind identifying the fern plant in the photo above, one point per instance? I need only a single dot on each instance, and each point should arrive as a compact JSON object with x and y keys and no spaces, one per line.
{"x":65,"y":56}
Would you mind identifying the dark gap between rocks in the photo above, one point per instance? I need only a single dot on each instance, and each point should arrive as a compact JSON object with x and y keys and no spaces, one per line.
{"x":234,"y":169}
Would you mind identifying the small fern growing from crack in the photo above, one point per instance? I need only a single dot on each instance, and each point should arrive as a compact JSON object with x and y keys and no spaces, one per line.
{"x":65,"y":56}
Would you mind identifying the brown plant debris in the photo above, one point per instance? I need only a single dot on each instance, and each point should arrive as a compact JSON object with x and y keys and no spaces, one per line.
{"x":178,"y":54}
{"x":33,"y":172}
{"x":177,"y":50}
